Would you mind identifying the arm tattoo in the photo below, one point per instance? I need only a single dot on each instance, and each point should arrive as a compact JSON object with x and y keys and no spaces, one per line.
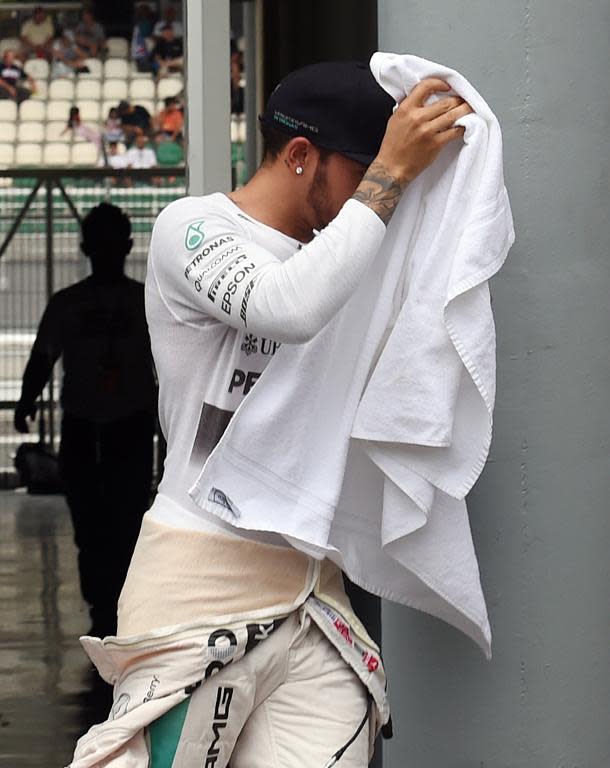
{"x":379,"y":191}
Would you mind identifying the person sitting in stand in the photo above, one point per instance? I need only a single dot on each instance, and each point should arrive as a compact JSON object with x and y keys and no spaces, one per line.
{"x":169,"y":17}
{"x":12,"y":76}
{"x":113,"y":131}
{"x":167,"y":55}
{"x":78,"y":128}
{"x":114,"y":158}
{"x":237,"y":90}
{"x":68,"y":57}
{"x":140,"y":156}
{"x":37,"y":35}
{"x":90,"y":35}
{"x":169,"y":123}
{"x":142,"y":39}
{"x":135,"y":120}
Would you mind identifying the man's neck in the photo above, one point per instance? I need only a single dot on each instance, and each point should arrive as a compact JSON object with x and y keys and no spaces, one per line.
{"x":269,"y":200}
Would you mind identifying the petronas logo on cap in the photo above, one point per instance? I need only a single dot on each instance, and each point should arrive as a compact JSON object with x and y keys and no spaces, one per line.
{"x":194,"y":235}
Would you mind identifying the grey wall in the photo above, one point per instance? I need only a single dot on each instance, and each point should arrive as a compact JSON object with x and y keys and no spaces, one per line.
{"x":540,"y":511}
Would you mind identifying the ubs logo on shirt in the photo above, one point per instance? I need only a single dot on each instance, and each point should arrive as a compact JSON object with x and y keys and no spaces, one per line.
{"x":194,"y":235}
{"x":251,"y":345}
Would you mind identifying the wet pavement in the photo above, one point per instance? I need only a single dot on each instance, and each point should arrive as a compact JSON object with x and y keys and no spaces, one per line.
{"x":49,"y":693}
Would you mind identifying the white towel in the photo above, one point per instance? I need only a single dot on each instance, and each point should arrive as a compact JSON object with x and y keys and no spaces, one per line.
{"x":362,"y":444}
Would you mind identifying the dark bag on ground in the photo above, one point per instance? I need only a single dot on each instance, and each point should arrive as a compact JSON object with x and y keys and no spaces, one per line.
{"x":38,"y":468}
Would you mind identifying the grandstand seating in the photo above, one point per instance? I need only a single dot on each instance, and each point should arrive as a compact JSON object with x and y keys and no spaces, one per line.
{"x":89,"y":89}
{"x":37,"y":68}
{"x":114,"y":89}
{"x":33,"y":110}
{"x":169,"y":86}
{"x":89,"y":110}
{"x":8,"y":132}
{"x":117,"y":47}
{"x":84,"y":154}
{"x":7,"y":154}
{"x":95,"y":68}
{"x":116,"y":68}
{"x":54,"y":132}
{"x":31,"y":134}
{"x":28,"y":154}
{"x":58,"y":109}
{"x":62,"y":88}
{"x":8,"y":110}
{"x":56,"y":154}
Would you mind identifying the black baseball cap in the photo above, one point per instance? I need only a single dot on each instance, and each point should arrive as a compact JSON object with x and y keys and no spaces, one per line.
{"x":336,"y":105}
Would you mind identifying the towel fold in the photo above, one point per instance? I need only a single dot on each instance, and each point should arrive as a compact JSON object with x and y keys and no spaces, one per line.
{"x":362,"y":444}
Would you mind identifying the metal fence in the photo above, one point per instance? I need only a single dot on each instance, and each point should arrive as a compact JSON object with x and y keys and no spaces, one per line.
{"x":40,"y":214}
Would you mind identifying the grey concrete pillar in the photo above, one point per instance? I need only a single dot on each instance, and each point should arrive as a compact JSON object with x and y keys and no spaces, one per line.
{"x":208,"y":96}
{"x":540,"y":511}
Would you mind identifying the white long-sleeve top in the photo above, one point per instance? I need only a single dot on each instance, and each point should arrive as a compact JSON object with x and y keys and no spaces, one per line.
{"x":223,"y":292}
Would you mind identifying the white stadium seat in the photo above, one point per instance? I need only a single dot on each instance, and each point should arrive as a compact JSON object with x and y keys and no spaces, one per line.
{"x":8,"y":111}
{"x":8,"y":44}
{"x":118,"y":68}
{"x":8,"y":132}
{"x":53,"y":132}
{"x":95,"y":70}
{"x":89,"y":111}
{"x":118,"y":47}
{"x":56,"y":154}
{"x":30,"y":132}
{"x":61,"y":89}
{"x":141,"y":89}
{"x":58,"y":110}
{"x":7,"y":155}
{"x":28,"y":154}
{"x":37,"y":68}
{"x":42,"y":91}
{"x":84,"y":154}
{"x":114,"y":89}
{"x":169,"y":86}
{"x":88,"y":89}
{"x":33,"y":110}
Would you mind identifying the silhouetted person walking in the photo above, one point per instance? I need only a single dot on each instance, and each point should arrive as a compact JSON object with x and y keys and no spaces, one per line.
{"x":98,"y":327}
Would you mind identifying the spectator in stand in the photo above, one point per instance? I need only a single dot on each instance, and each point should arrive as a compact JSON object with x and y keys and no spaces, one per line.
{"x":90,"y":35}
{"x":78,"y":128}
{"x":114,"y":157}
{"x":169,"y":123}
{"x":237,"y":91}
{"x":12,"y":77}
{"x":169,"y":17}
{"x":37,"y":35}
{"x":68,"y":57}
{"x":113,"y":131}
{"x":167,"y":55}
{"x":135,"y":120}
{"x":140,"y":156}
{"x":142,"y":39}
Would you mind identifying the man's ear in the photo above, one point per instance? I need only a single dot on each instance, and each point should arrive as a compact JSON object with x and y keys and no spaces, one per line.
{"x":84,"y":249}
{"x":298,"y":154}
{"x":129,"y":246}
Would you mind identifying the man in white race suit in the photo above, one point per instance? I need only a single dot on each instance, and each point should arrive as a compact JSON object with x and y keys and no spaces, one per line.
{"x":288,"y":676}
